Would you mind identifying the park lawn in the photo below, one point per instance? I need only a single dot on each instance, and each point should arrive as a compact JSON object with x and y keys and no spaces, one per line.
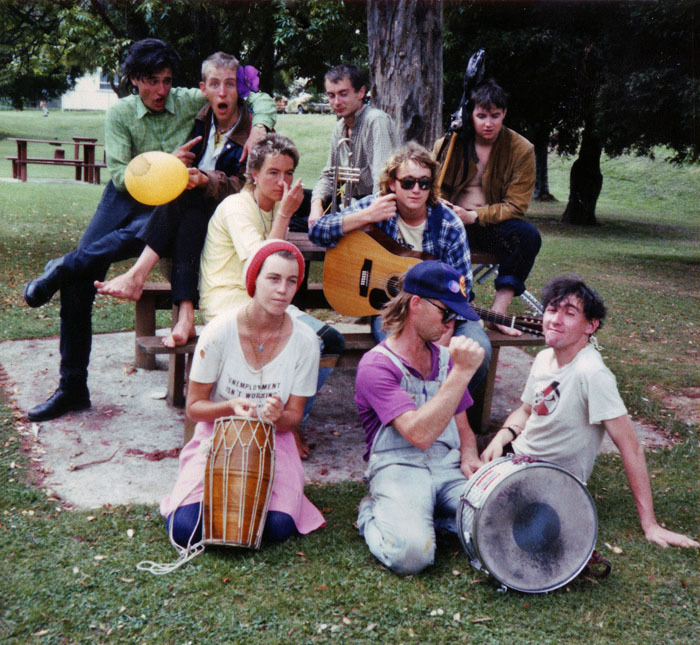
{"x":644,"y":259}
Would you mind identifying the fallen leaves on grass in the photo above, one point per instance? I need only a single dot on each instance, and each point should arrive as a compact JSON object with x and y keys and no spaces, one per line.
{"x":614,"y":549}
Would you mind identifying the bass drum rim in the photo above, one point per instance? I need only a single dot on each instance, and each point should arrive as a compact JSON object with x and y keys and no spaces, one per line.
{"x":507,"y":487}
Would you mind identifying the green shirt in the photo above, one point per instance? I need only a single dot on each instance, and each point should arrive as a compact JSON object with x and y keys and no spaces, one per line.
{"x":131,"y":128}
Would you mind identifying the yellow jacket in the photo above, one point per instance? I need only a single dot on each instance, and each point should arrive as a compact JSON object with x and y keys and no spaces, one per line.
{"x":508,"y":181}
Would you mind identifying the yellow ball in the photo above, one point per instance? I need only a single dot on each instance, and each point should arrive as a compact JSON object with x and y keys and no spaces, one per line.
{"x":155,"y":178}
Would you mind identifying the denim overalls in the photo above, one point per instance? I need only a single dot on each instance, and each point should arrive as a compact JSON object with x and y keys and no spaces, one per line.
{"x":408,"y":486}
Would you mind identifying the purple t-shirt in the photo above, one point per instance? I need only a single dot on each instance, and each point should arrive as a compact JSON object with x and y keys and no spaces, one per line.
{"x":378,"y":393}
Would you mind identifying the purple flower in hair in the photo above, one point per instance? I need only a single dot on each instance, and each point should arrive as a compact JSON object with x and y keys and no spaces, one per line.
{"x":247,"y":80}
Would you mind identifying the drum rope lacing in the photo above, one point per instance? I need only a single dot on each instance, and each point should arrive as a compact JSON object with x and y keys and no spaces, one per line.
{"x":185,"y":554}
{"x":191,"y":551}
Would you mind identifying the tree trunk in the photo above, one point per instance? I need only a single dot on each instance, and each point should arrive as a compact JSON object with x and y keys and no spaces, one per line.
{"x":542,"y":193}
{"x":405,"y":60}
{"x":585,"y":182}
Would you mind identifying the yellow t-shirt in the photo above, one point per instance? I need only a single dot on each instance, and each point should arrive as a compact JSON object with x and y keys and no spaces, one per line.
{"x":412,"y":235}
{"x":234,"y":231}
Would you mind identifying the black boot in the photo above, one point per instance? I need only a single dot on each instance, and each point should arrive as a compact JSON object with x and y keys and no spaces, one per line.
{"x":63,"y":400}
{"x":40,"y":290}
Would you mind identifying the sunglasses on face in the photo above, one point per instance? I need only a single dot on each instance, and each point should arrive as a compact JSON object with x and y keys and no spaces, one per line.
{"x":447,"y":314}
{"x":407,"y":183}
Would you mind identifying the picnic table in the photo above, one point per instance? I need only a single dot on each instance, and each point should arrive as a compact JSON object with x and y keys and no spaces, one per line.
{"x":87,"y":169}
{"x":358,"y":337}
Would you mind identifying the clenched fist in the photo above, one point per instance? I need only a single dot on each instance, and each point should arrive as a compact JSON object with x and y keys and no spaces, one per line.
{"x":466,"y":353}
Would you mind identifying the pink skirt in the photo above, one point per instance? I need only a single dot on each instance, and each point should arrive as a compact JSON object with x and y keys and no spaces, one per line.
{"x":287,"y":488}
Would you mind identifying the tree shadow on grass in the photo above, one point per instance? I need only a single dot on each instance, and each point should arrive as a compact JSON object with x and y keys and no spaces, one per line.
{"x":617,"y":229}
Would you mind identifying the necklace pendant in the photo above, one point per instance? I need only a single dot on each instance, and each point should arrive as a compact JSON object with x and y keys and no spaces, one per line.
{"x":260,"y":347}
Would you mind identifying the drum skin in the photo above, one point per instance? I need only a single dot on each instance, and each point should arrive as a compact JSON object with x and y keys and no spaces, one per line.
{"x":531,"y":524}
{"x":238,"y":482}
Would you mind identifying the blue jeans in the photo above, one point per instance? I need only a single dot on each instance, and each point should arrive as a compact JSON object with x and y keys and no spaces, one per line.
{"x":467,"y":328}
{"x":111,"y":236}
{"x":515,"y":242}
{"x":332,"y":346}
{"x":405,"y":506}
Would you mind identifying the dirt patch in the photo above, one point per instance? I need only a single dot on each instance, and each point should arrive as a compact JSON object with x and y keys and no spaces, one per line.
{"x":124,"y":449}
{"x":686,"y":403}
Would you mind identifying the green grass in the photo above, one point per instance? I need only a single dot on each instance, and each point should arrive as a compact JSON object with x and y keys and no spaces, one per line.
{"x":41,"y":221}
{"x":644,"y":258}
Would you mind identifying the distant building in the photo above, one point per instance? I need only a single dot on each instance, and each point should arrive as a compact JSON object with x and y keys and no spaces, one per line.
{"x":91,"y":92}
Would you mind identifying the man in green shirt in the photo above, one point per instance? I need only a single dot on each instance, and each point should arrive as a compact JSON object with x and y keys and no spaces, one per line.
{"x":158,"y":117}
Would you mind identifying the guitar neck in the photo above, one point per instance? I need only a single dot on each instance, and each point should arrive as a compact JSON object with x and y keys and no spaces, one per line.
{"x":531,"y":325}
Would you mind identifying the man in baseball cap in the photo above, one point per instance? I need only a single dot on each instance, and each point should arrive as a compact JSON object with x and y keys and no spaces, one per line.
{"x":433,"y":279}
{"x":412,"y":398}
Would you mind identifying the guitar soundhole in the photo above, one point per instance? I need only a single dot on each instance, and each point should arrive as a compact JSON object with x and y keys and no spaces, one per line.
{"x":392,"y":286}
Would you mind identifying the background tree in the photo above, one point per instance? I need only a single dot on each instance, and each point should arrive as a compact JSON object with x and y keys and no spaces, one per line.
{"x":33,"y":61}
{"x":65,"y":39}
{"x":589,"y":77}
{"x":405,"y":59}
{"x":592,"y":77}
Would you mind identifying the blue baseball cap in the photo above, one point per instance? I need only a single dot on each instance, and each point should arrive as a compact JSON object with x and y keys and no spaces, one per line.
{"x":434,"y":279}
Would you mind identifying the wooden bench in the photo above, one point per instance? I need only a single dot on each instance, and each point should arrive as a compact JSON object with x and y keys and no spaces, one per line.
{"x":156,"y":296}
{"x":86,"y":167}
{"x":358,"y":338}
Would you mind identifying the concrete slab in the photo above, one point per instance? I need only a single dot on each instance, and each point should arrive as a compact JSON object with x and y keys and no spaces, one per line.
{"x":124,"y":449}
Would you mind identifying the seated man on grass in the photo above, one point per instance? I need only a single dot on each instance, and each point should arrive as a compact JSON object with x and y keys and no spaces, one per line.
{"x":490,"y":187}
{"x":411,"y":396}
{"x":178,"y":229}
{"x":156,"y":117}
{"x":571,"y":400}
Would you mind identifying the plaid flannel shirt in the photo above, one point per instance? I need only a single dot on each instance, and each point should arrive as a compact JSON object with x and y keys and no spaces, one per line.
{"x":374,"y":137}
{"x":444,"y":236}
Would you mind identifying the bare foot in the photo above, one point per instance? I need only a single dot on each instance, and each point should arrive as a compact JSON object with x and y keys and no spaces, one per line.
{"x":303,"y":448}
{"x":180,"y":334}
{"x":123,"y":286}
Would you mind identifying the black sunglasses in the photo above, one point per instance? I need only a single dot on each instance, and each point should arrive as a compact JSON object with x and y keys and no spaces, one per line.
{"x":424,"y":183}
{"x":447,"y":314}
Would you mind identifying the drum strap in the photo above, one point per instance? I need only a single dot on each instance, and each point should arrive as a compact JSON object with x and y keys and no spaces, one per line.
{"x":597,"y":567}
{"x":184,"y":554}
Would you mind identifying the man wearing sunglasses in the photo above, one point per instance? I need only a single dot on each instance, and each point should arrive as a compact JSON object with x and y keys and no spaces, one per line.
{"x":490,"y":187}
{"x":407,"y":209}
{"x":411,"y":397}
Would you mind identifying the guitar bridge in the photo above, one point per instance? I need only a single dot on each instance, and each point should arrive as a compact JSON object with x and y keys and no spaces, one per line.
{"x":365,"y":274}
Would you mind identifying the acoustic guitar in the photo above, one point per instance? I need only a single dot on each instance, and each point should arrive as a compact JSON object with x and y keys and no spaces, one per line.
{"x":362,"y":272}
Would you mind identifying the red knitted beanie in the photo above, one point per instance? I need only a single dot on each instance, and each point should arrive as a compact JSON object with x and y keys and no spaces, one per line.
{"x":255,"y":261}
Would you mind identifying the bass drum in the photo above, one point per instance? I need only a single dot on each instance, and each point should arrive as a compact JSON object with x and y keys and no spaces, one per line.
{"x":531,"y":524}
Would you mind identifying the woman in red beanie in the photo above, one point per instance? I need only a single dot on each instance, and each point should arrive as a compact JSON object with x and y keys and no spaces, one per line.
{"x":254,"y":361}
{"x":261,"y":211}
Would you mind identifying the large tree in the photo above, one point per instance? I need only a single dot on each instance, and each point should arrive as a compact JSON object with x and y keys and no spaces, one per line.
{"x":34,"y":63}
{"x":68,"y":38}
{"x":586,"y":77}
{"x":405,"y":58}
